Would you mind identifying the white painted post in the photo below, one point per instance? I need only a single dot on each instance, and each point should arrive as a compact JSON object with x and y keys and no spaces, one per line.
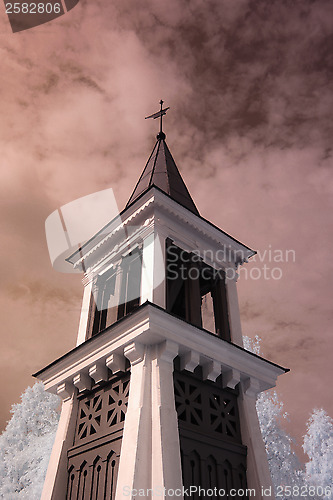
{"x":233,"y":310}
{"x":147,"y":276}
{"x":150,"y":450}
{"x":153,"y":270}
{"x":81,"y":337}
{"x":136,"y":451}
{"x":55,"y":484}
{"x":166,"y":462}
{"x":159,"y":297}
{"x":258,"y":474}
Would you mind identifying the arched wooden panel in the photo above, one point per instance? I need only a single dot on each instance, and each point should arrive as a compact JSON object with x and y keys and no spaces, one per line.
{"x":211,"y":473}
{"x":93,"y":460}
{"x":227,"y":478}
{"x":212,"y":452}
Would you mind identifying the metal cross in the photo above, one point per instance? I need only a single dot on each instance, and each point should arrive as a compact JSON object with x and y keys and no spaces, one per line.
{"x":159,"y":114}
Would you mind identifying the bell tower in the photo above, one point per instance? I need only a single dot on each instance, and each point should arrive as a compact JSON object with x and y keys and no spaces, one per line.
{"x":159,"y":393}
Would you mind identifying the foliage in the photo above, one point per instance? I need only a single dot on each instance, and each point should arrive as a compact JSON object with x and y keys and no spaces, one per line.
{"x":318,"y":445}
{"x":284,"y":465}
{"x":26,"y":444}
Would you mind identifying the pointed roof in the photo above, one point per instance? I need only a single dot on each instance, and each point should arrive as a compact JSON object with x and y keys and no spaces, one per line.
{"x":161,"y":171}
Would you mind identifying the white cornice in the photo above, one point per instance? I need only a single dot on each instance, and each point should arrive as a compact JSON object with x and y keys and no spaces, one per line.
{"x":199,"y":224}
{"x":112,"y":231}
{"x":156,"y":202}
{"x":150,"y":325}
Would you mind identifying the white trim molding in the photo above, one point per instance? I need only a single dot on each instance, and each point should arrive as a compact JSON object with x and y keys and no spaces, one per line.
{"x":150,"y":325}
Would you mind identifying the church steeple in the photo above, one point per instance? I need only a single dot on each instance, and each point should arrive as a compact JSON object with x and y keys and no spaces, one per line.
{"x":159,"y":394}
{"x":161,"y":171}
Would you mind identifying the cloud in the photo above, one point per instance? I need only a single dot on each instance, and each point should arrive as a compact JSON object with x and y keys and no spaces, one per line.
{"x":40,"y":292}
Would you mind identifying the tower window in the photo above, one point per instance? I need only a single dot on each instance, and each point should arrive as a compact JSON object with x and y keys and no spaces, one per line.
{"x":195,"y":291}
{"x":105,"y":302}
{"x":131,"y":266}
{"x":117,"y":292}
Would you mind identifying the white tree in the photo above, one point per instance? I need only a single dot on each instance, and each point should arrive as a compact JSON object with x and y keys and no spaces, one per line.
{"x":284,"y":465}
{"x":318,"y":445}
{"x":26,"y":444}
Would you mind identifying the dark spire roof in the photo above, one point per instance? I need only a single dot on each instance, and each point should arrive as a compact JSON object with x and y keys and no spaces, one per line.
{"x":161,"y":171}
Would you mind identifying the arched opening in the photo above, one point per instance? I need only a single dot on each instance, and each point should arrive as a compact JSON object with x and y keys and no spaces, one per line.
{"x":195,"y":291}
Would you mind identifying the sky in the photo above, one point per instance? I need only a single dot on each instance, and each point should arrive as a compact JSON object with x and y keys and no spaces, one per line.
{"x":249,"y":85}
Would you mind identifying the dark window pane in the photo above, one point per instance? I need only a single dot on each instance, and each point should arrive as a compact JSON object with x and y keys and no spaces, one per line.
{"x":195,"y":291}
{"x":131,"y":283}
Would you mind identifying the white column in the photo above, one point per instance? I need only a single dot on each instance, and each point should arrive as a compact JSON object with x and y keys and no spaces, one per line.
{"x":159,"y":270}
{"x":147,"y":276}
{"x":134,"y":466}
{"x":233,"y":310}
{"x":150,"y":450}
{"x":258,"y":474}
{"x":166,"y":462}
{"x":81,"y":337}
{"x":153,"y":270}
{"x":55,"y":484}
